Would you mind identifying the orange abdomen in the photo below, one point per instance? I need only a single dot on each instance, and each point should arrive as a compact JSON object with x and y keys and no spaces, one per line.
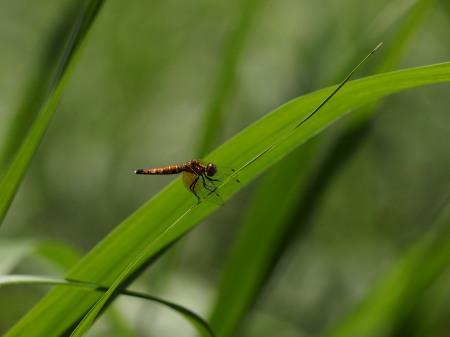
{"x":174,"y":169}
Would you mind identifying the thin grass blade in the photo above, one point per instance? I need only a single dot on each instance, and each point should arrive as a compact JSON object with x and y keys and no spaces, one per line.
{"x":200,"y":324}
{"x":12,"y":177}
{"x":171,"y":213}
{"x":271,"y":222}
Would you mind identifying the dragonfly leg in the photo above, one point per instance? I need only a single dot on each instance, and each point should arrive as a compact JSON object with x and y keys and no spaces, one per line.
{"x":211,"y":179}
{"x":220,"y":181}
{"x":192,"y":188}
{"x":208,"y":187}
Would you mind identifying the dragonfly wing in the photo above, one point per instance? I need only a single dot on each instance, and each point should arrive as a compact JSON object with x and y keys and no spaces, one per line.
{"x":189,"y":179}
{"x":201,"y":187}
{"x":229,"y":182}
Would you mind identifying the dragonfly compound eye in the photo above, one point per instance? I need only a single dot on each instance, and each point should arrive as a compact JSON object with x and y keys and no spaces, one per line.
{"x":211,"y":170}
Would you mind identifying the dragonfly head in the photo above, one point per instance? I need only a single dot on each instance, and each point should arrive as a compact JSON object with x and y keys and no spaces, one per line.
{"x":211,"y":169}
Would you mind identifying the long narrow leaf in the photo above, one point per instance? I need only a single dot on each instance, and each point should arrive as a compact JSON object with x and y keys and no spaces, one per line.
{"x":200,"y":324}
{"x":170,"y":214}
{"x":260,"y":240}
{"x":38,"y":86}
{"x":11,"y":179}
{"x":271,"y":223}
{"x":140,"y":259}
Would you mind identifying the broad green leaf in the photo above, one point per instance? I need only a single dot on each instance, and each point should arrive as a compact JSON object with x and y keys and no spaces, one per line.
{"x":202,"y":326}
{"x":173,"y":212}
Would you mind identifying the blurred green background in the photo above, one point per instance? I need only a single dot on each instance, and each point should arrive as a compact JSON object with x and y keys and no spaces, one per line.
{"x":138,"y":99}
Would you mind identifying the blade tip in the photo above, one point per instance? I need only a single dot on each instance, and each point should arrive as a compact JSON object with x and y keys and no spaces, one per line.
{"x":376,"y":48}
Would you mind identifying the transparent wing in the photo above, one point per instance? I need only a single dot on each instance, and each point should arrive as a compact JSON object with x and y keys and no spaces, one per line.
{"x":188,"y":179}
{"x":228,"y":182}
{"x":211,"y":188}
{"x":202,"y":188}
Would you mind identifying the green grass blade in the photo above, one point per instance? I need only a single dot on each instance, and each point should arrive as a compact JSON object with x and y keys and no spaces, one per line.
{"x":6,"y":280}
{"x":10,"y":181}
{"x":260,"y":240}
{"x":170,"y":214}
{"x":199,"y":323}
{"x":87,"y":320}
{"x":38,"y":88}
{"x":271,"y":223}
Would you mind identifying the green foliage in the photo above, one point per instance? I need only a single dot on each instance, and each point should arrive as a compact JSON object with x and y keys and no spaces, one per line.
{"x":169,"y":215}
{"x":399,"y":290}
{"x":197,"y":321}
{"x":12,"y":177}
{"x":132,"y":89}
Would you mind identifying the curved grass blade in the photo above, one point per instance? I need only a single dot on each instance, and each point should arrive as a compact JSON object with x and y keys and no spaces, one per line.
{"x":130,"y":269}
{"x":10,"y":181}
{"x":92,"y":314}
{"x":260,"y":240}
{"x":170,"y":214}
{"x":271,"y":224}
{"x":302,"y":121}
{"x":199,"y":323}
{"x":38,"y":86}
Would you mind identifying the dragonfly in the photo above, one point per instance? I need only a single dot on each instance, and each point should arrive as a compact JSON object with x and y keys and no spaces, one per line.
{"x":203,"y":179}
